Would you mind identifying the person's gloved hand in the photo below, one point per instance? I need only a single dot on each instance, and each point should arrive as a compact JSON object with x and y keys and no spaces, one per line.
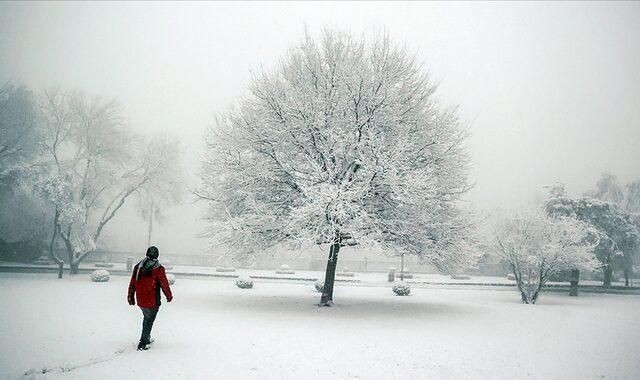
{"x":169,"y":299}
{"x":131,"y":300}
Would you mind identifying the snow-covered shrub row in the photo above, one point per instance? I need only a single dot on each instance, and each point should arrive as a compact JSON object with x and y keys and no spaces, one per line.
{"x":103,"y":265}
{"x":402,"y":289}
{"x":319,"y":285}
{"x":460,"y":277}
{"x":100,"y":275}
{"x":244,"y":283}
{"x":284,"y":269}
{"x":171,"y":278}
{"x":225,"y":269}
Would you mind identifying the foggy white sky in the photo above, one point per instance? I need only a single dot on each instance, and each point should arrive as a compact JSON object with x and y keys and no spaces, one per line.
{"x":551,"y":92}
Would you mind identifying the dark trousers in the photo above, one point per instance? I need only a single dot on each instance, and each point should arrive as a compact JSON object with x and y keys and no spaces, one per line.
{"x":147,"y":323}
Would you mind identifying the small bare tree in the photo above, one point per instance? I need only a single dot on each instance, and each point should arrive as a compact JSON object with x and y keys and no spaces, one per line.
{"x":537,"y":247}
{"x":343,"y":143}
{"x":164,"y":190}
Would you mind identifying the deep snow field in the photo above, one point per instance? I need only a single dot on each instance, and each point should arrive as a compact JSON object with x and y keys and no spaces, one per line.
{"x":73,"y":328}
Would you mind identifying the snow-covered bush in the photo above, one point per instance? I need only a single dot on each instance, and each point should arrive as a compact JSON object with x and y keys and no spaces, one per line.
{"x":244,"y":283}
{"x":284,"y":269}
{"x":319,"y":285}
{"x":401,"y":289}
{"x":537,"y":247}
{"x":100,"y":275}
{"x":171,"y":278}
{"x":225,"y":269}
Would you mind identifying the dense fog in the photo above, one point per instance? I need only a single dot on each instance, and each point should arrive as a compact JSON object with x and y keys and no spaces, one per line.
{"x":319,"y":190}
{"x":550,"y":92}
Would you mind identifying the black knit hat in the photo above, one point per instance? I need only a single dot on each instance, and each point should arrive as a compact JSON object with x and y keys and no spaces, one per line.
{"x":152,"y":252}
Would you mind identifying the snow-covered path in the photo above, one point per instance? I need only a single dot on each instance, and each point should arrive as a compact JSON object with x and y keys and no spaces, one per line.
{"x":78,"y":329}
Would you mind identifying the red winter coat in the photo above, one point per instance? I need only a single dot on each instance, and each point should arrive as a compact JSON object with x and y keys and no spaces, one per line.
{"x":146,"y":286}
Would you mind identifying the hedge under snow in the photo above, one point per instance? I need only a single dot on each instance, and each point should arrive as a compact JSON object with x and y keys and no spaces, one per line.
{"x":100,"y":275}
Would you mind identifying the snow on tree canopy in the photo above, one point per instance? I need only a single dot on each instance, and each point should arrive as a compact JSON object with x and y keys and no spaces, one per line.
{"x":344,"y":136}
{"x":537,"y":246}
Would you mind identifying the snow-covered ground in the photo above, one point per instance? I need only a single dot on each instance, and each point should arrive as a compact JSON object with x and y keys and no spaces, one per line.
{"x":74,"y":328}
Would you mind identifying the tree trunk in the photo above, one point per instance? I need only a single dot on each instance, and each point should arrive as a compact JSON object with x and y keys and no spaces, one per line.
{"x":523,"y":296}
{"x":608,"y":271}
{"x":330,"y":275}
{"x":575,"y":278}
{"x":628,"y":268}
{"x":52,"y":244}
{"x":536,"y":294}
{"x":70,"y":253}
{"x":74,"y":268}
{"x":626,"y":276}
{"x":402,"y":267}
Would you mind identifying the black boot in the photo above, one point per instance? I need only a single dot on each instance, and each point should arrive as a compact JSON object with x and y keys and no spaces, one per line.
{"x":142,"y":346}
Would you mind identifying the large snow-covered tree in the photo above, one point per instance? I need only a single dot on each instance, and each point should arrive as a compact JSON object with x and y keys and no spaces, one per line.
{"x":21,"y":211}
{"x":537,"y":246}
{"x":344,"y":142}
{"x":617,"y":231}
{"x":95,"y":164}
{"x":626,"y":198}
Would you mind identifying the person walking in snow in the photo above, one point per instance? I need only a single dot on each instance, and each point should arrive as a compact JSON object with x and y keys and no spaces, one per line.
{"x":147,"y":280}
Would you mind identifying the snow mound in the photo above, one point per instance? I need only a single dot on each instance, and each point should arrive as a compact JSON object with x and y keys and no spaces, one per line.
{"x":284,"y":269}
{"x":171,"y":278}
{"x":401,"y":289}
{"x":100,"y":275}
{"x":244,"y":283}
